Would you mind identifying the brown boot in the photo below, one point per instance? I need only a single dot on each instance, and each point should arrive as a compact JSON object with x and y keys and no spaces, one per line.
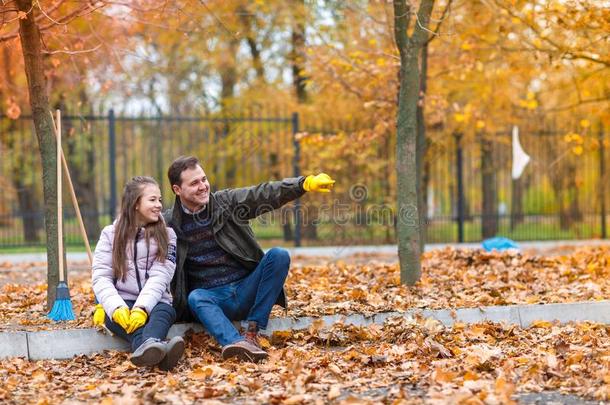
{"x":244,"y":350}
{"x":251,"y":334}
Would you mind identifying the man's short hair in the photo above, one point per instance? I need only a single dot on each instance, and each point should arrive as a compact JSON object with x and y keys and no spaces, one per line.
{"x":178,"y":166}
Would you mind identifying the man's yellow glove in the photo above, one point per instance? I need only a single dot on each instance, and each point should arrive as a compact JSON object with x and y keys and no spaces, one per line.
{"x":136,"y":320}
{"x":321,"y":183}
{"x":121,"y":316}
{"x":99,"y":315}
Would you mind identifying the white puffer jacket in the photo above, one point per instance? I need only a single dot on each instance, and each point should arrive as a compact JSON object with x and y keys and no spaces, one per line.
{"x":112,"y":293}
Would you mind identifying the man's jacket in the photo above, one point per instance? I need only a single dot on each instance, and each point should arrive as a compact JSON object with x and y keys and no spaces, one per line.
{"x":230,"y":211}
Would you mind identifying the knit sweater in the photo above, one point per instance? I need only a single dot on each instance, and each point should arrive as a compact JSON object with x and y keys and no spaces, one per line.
{"x":207,"y":264}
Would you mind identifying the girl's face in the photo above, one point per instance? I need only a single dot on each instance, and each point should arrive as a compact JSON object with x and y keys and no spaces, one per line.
{"x":149,"y":207}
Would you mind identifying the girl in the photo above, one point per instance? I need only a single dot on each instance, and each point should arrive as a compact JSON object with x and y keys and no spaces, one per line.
{"x":133,"y":266}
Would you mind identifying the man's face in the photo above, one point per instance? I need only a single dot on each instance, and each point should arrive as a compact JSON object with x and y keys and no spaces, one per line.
{"x":194,"y":191}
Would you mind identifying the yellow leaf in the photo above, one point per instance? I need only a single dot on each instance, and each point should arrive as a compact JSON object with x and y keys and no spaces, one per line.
{"x":443,"y":376}
{"x":471,"y":376}
{"x":541,"y":324}
{"x":466,"y":46}
{"x":264,"y":342}
{"x":577,"y":150}
{"x":201,"y":373}
{"x":585,"y":123}
{"x":459,"y":117}
{"x":480,"y":124}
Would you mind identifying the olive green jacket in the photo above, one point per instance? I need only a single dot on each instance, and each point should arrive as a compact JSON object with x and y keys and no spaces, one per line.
{"x":230,"y":211}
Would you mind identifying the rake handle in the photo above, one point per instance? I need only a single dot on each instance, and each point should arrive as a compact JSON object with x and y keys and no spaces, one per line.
{"x":60,"y":244}
{"x":81,"y":224}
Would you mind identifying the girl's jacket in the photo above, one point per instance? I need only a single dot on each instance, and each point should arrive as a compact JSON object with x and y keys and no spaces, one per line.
{"x":155,"y":276}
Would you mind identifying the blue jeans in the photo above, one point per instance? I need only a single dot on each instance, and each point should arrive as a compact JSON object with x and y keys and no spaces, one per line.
{"x":250,"y":298}
{"x":160,"y":319}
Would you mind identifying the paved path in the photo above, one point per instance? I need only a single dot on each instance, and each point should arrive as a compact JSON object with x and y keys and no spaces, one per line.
{"x":337,"y":252}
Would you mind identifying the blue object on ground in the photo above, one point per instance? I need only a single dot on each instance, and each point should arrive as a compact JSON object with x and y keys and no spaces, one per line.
{"x":62,"y":308}
{"x":499,"y":243}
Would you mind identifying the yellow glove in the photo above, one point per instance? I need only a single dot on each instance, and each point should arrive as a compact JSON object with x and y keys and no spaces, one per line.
{"x":121,"y":316}
{"x":99,"y":315}
{"x":137,"y":319}
{"x":321,"y":183}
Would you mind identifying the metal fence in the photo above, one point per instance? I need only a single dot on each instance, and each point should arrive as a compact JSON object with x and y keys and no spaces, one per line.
{"x":469,"y":191}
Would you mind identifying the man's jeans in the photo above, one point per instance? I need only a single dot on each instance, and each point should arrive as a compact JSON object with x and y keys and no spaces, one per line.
{"x":250,"y":298}
{"x":160,"y":319}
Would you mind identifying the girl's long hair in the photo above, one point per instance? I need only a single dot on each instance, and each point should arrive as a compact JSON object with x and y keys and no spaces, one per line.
{"x":126,"y":228}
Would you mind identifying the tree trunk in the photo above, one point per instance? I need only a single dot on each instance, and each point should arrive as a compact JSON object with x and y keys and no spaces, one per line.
{"x":489,"y":220}
{"x":308,"y":227}
{"x":422,"y":179}
{"x":39,"y":101}
{"x":298,"y":51}
{"x":255,"y":53}
{"x":228,"y":76}
{"x":408,"y":224}
{"x":516,"y":212}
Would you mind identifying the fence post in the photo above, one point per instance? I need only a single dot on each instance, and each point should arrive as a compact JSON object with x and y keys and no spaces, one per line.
{"x":296,"y":173}
{"x":460,"y":185}
{"x":112,"y":163}
{"x":602,"y":183}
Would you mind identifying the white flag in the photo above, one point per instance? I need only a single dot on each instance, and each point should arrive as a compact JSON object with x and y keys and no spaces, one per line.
{"x":520,"y":158}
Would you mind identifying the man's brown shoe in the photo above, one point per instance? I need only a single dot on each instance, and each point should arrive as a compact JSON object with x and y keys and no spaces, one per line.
{"x":251,"y":334}
{"x":245,"y":351}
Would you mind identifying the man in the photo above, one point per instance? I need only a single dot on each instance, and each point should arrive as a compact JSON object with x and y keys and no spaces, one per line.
{"x":222,"y":275}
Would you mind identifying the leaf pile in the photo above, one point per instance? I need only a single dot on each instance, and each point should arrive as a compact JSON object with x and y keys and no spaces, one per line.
{"x":369,"y":283}
{"x":451,"y":278}
{"x":403,"y":361}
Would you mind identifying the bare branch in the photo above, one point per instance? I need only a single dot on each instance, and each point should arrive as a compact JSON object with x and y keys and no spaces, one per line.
{"x":72,"y":52}
{"x":85,"y":9}
{"x":219,"y":20}
{"x":444,"y":16}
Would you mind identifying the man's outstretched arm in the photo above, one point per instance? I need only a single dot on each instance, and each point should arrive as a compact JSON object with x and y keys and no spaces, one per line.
{"x":249,"y":202}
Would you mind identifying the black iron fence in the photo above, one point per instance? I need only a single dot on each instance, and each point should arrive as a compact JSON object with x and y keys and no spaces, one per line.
{"x":469,"y":193}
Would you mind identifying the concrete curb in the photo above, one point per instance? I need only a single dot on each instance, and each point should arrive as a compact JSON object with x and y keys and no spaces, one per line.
{"x":64,"y":344}
{"x":338,"y":251}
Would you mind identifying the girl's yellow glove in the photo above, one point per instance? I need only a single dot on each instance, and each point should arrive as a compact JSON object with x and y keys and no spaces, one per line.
{"x":99,"y":315}
{"x":121,"y":316}
{"x":137,"y":319}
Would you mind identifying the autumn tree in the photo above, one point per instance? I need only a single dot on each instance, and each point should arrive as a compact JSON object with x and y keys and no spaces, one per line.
{"x":28,"y":22}
{"x":409,"y":47}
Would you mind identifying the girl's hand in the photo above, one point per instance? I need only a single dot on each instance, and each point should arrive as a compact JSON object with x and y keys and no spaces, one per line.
{"x":121,"y":316}
{"x":137,"y":319}
{"x":99,"y":315}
